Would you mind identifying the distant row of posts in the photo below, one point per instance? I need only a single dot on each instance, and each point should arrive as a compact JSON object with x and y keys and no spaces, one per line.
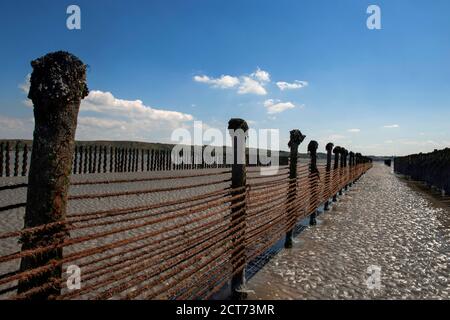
{"x":432,"y":168}
{"x":20,"y":167}
{"x":100,"y":159}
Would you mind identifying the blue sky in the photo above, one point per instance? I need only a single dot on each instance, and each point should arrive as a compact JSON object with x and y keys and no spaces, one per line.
{"x":157,"y":65}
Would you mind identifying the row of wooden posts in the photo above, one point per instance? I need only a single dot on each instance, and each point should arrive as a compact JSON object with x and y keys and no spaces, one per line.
{"x":342,"y":159}
{"x":20,"y":165}
{"x":103,"y":159}
{"x":432,"y":168}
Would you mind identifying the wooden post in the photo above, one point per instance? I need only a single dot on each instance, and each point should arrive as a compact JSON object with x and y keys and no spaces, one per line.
{"x":99,"y":164}
{"x":351,"y":166}
{"x":341,"y":169}
{"x":345,"y":168}
{"x":152,"y":156}
{"x":75,"y":160}
{"x":58,"y":84}
{"x":105,"y":158}
{"x":295,"y":140}
{"x":80,"y":165}
{"x":132,"y":157}
{"x":25,"y":160}
{"x":238,"y":129}
{"x":169,"y":160}
{"x":337,"y":153}
{"x":7,"y":160}
{"x":329,"y":148}
{"x":94,"y":160}
{"x":90,"y":159}
{"x":111,"y":159}
{"x":16,"y":159}
{"x":2,"y":147}
{"x":86,"y":155}
{"x":313,"y":176}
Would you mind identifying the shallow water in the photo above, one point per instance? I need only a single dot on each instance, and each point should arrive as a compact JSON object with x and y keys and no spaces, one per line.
{"x":383,"y":221}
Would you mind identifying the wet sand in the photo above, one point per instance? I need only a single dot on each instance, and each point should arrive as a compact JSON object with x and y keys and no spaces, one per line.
{"x":382,"y":221}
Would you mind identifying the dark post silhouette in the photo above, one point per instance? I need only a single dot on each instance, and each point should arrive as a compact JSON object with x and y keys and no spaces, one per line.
{"x":16,"y":159}
{"x":345,"y":167}
{"x":351,"y":157}
{"x":90,"y":160}
{"x":2,"y":147}
{"x":75,"y":160}
{"x":238,"y":129}
{"x":337,"y":153}
{"x":99,"y":163}
{"x":58,"y":84}
{"x":105,"y":158}
{"x":80,"y":165}
{"x":296,"y":139}
{"x":94,"y":159}
{"x":152,"y":160}
{"x":313,"y":177}
{"x":7,"y":160}
{"x":342,"y":166}
{"x":329,"y":148}
{"x":86,"y":155}
{"x":25,"y":160}
{"x":110,"y":159}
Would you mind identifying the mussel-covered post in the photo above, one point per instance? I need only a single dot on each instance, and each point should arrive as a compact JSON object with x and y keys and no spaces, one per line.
{"x":351,"y":166}
{"x":238,"y":130}
{"x":329,"y":148}
{"x":341,"y":172}
{"x":337,"y":153}
{"x":313,"y":177}
{"x":296,"y":139}
{"x":58,"y":84}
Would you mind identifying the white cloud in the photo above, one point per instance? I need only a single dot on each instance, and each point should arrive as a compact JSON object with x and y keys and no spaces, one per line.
{"x":336,"y":137}
{"x":261,"y":75}
{"x":25,"y":88}
{"x":106,"y":104}
{"x":249,"y":85}
{"x":276,"y":106}
{"x":103,"y":116}
{"x":354,"y":130}
{"x":246,"y":84}
{"x":392,"y":126}
{"x":224,"y":82}
{"x":16,"y":128}
{"x":297,"y":84}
